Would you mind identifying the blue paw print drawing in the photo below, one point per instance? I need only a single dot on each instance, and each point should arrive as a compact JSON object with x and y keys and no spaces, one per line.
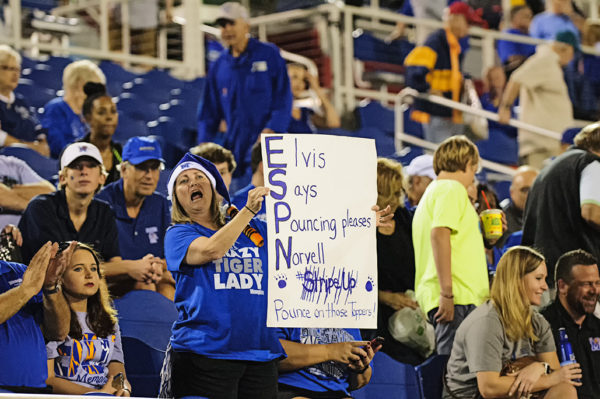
{"x":369,"y":285}
{"x":281,"y":281}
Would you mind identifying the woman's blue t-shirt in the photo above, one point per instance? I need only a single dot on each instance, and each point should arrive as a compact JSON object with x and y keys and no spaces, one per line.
{"x":222,"y":305}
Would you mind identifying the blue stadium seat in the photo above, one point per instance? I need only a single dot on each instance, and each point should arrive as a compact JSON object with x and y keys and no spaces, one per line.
{"x":47,"y":168}
{"x":181,"y":112}
{"x":429,"y":376}
{"x":44,"y":76}
{"x":145,"y":319}
{"x":142,"y":366}
{"x":35,"y":95}
{"x":58,"y":63}
{"x":171,"y":152}
{"x":188,"y":95}
{"x":502,"y":189}
{"x":129,"y":127}
{"x":368,"y":47}
{"x":115,"y":72}
{"x":162,"y":78}
{"x":384,"y":141}
{"x":163,"y":180}
{"x":151,"y":91}
{"x":137,"y":107}
{"x":390,"y":380}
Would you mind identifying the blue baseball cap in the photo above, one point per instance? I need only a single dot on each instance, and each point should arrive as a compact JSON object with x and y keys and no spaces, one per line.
{"x":191,"y":161}
{"x":141,"y":149}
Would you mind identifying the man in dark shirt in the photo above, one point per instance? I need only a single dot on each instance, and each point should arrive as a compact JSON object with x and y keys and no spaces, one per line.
{"x":142,"y":214}
{"x":72,"y":213}
{"x":578,"y":284}
{"x":562,"y":212}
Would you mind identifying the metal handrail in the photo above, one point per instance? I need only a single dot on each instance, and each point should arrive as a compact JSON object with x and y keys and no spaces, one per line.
{"x":286,"y":55}
{"x":402,"y":98}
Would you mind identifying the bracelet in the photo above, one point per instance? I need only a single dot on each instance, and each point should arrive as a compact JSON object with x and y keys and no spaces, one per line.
{"x":50,"y":291}
{"x":451,"y":296}
{"x":361,"y":371}
{"x":251,"y":211}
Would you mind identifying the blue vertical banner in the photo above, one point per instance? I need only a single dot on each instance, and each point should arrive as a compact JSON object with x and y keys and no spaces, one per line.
{"x":321,"y":230}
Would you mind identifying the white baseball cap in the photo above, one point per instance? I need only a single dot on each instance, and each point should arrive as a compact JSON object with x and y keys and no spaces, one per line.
{"x":232,"y":11}
{"x":421,"y":166}
{"x":78,"y":150}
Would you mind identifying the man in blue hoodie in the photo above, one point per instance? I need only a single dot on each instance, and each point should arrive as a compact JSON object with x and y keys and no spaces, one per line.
{"x":247,"y":87}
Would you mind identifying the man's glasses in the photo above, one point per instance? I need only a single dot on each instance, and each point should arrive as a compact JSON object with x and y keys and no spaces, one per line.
{"x":149,"y":166}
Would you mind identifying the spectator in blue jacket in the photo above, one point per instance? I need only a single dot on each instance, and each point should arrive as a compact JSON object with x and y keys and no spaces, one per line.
{"x":63,"y":117}
{"x":248,"y":87}
{"x":142,"y":214}
{"x":513,"y":54}
{"x":17,"y":124}
{"x":560,"y":16}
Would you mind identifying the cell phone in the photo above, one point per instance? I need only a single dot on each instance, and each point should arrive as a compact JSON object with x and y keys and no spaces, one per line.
{"x":377,"y":341}
{"x":118,"y":381}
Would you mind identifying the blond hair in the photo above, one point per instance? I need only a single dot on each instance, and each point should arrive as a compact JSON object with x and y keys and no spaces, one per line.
{"x":589,"y":138}
{"x":389,"y":183}
{"x":180,"y":216}
{"x":7,"y":52}
{"x":80,"y":72}
{"x":508,"y":292}
{"x":455,"y":154}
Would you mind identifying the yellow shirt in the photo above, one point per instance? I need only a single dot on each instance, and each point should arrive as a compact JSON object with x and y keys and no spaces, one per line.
{"x":446,"y":204}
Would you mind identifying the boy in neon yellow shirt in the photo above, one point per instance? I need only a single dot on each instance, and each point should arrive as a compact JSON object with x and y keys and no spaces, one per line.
{"x":450,"y":267}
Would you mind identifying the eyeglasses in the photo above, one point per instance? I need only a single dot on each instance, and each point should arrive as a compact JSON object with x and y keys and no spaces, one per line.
{"x":10,"y":68}
{"x":148,"y":166}
{"x":223,"y":22}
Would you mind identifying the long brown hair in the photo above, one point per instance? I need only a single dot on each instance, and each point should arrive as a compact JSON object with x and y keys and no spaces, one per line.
{"x":508,"y":291}
{"x":101,"y":316}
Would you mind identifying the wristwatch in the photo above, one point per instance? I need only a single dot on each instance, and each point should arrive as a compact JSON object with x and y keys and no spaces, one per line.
{"x":547,"y":368}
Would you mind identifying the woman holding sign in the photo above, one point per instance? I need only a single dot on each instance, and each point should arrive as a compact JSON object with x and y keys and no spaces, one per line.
{"x":221,"y":346}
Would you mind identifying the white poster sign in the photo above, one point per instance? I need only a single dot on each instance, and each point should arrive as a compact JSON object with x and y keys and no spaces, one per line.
{"x":321,"y":230}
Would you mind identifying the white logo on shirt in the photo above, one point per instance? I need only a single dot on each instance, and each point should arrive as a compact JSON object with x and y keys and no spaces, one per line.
{"x":259,"y":66}
{"x":152,"y":234}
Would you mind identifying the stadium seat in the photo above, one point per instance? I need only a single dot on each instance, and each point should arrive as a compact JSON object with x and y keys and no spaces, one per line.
{"x":47,"y":168}
{"x":181,"y":112}
{"x":142,"y":365}
{"x":150,"y":91}
{"x":34,"y":95}
{"x":44,"y":76}
{"x":391,"y":380}
{"x":163,"y":78}
{"x":150,"y":323}
{"x":137,"y":107}
{"x":129,"y":127}
{"x":429,"y":376}
{"x":115,"y":72}
{"x":161,"y":187}
{"x":145,"y":319}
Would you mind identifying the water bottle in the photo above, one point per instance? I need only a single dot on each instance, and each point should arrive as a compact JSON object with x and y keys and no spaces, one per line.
{"x":566,"y":352}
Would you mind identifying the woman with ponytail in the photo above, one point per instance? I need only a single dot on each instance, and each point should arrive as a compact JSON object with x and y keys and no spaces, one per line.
{"x":507,"y":330}
{"x":100,"y":112}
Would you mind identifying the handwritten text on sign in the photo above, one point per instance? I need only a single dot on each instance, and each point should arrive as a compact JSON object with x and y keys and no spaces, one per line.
{"x":321,"y":229}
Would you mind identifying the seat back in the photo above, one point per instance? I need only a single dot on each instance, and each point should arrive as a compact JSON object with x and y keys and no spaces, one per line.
{"x":430,"y":376}
{"x":142,"y":365}
{"x":391,"y":380}
{"x":47,"y":168}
